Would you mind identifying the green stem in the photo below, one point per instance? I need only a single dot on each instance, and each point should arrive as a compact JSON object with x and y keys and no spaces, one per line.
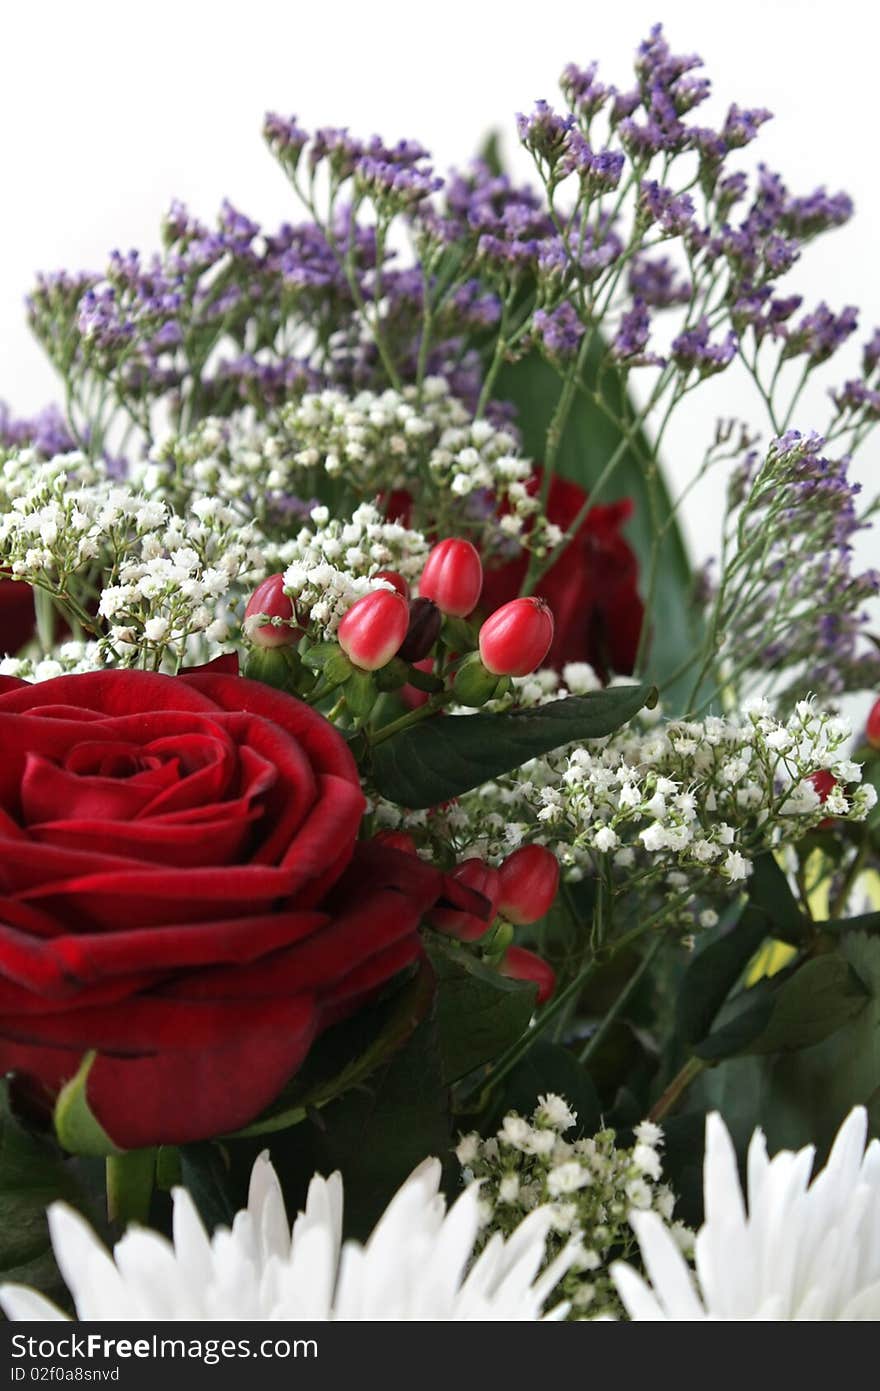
{"x":595,"y":1041}
{"x":130,"y":1178}
{"x":412,"y":717}
{"x":676,"y":1089}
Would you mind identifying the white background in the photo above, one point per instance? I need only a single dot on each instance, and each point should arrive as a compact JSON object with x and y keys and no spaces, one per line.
{"x":109,"y":110}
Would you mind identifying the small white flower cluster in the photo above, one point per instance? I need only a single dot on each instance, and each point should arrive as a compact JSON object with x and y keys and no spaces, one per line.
{"x":158,"y":579}
{"x":684,"y":802}
{"x":359,"y":447}
{"x":69,"y":659}
{"x":333,"y":563}
{"x":590,"y":1185}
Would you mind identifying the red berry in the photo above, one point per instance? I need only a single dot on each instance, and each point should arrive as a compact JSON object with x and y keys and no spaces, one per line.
{"x":395,"y":580}
{"x":397,"y":840}
{"x":872,"y":729}
{"x":373,"y":629}
{"x":453,"y":577}
{"x":269,"y":598}
{"x":467,"y":927}
{"x":516,"y":638}
{"x":520,"y":964}
{"x":529,"y":883}
{"x":823,"y":782}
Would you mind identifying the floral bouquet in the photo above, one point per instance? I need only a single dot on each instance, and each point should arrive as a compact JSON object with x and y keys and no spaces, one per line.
{"x":386,"y":805}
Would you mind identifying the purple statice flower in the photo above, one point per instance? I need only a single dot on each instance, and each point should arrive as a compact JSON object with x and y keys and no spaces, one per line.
{"x":269,"y":383}
{"x":598,"y":170}
{"x":856,"y":397}
{"x":583,"y":93}
{"x":729,"y":191}
{"x":46,"y":432}
{"x":780,"y":253}
{"x":472,"y":307}
{"x":544,"y":131}
{"x":236,"y":230}
{"x":338,"y":148}
{"x":821,"y":333}
{"x":559,"y":330}
{"x":395,"y":187}
{"x":871,"y":353}
{"x":285,"y":137}
{"x":692,"y":349}
{"x":633,"y":332}
{"x":657,"y":282}
{"x":674,"y":213}
{"x":742,"y":125}
{"x":817,"y":212}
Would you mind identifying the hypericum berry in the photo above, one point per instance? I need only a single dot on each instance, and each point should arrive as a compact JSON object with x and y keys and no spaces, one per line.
{"x":824,"y":784}
{"x":529,"y":884}
{"x":270,"y":600}
{"x":467,"y":927}
{"x":397,"y":840}
{"x":473,"y":684}
{"x":516,"y":638}
{"x":411,"y":696}
{"x":519,"y":964}
{"x":396,"y":581}
{"x":371,"y":632}
{"x":872,"y":729}
{"x":453,"y":577}
{"x":423,"y":631}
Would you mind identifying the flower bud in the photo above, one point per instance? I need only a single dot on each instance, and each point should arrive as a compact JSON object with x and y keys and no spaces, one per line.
{"x":269,"y":600}
{"x":424,"y":629}
{"x":397,"y":840}
{"x":453,"y":577}
{"x":371,"y":632}
{"x":396,"y":580}
{"x":529,"y":884}
{"x":516,"y":638}
{"x":519,"y":964}
{"x":872,"y":729}
{"x":473,"y":684}
{"x":275,"y":666}
{"x":467,"y":927}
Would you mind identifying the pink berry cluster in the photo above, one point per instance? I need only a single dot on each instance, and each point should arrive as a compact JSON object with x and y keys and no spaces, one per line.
{"x":520,"y":892}
{"x":422,"y":646}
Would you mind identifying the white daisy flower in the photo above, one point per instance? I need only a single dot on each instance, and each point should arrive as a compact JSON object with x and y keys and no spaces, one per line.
{"x":414,"y":1266}
{"x":805,"y":1251}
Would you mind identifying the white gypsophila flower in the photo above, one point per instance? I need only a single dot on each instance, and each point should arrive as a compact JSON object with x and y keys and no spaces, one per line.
{"x":681,"y":805}
{"x":333,"y":563}
{"x":416,"y":1265}
{"x":795,"y":1250}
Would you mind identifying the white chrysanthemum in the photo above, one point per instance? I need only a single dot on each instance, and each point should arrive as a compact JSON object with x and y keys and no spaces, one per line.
{"x":413,"y":1267}
{"x":804,"y":1251}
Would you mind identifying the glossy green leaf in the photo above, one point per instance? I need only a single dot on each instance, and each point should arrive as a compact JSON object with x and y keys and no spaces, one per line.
{"x":479,"y":1011}
{"x":443,"y":757}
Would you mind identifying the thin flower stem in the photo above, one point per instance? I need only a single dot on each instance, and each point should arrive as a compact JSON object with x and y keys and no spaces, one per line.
{"x":677,"y":1087}
{"x":595,"y":1041}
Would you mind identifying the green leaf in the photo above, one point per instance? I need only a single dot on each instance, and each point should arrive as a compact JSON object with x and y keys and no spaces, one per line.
{"x":588,"y":442}
{"x":547,"y":1067}
{"x":445,"y":756}
{"x":771,"y":911}
{"x":479,"y":1011}
{"x":33,"y":1174}
{"x":801,"y":1097}
{"x":378,"y":1132}
{"x":75,"y":1125}
{"x":346,"y":1055}
{"x":714,"y":972}
{"x":792,"y":1010}
{"x":814,"y":1003}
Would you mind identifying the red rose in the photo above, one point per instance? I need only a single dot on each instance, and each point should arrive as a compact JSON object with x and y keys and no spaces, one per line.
{"x":592,"y":587}
{"x":17,"y":617}
{"x":180,"y":889}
